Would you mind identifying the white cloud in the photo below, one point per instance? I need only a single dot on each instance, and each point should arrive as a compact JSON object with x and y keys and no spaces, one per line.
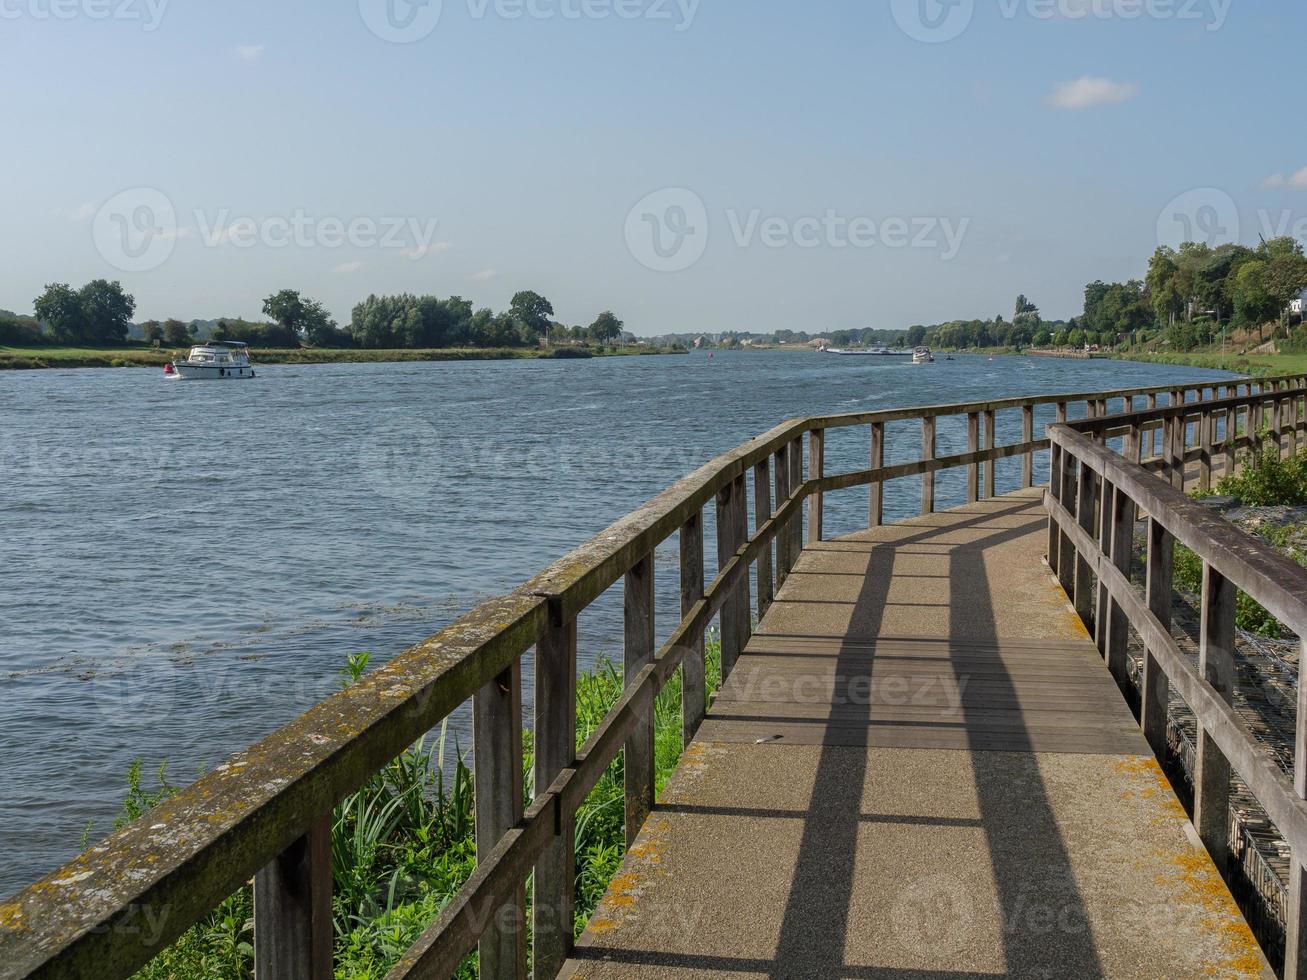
{"x":1297,"y":181}
{"x":83,"y":212}
{"x":485,"y":275}
{"x":1089,"y":91}
{"x":422,"y":251}
{"x":345,"y":268}
{"x":249,"y":52}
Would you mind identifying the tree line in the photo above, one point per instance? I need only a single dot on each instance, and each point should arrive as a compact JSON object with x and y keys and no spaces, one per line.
{"x":100,"y":314}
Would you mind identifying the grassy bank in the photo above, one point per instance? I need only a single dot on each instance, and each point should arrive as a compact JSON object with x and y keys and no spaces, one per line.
{"x":403,"y":845}
{"x":141,"y":355}
{"x":1250,"y":364}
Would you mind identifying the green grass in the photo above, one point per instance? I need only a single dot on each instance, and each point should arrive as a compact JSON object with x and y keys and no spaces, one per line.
{"x":403,"y":845}
{"x":1250,"y":364}
{"x":142,"y":355}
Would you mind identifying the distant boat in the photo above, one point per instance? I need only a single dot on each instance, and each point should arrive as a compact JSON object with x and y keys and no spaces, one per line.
{"x":228,"y":360}
{"x":922,"y":355}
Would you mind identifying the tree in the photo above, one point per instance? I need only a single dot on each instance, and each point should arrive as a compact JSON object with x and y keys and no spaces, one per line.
{"x":304,"y":317}
{"x":533,"y":313}
{"x":176,"y":333}
{"x":605,"y":328}
{"x":152,"y":330}
{"x":60,"y":309}
{"x":106,"y":310}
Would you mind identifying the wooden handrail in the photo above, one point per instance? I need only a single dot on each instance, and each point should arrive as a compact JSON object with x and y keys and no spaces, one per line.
{"x":196,"y":849}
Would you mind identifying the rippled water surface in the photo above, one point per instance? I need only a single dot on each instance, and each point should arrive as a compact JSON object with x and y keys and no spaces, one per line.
{"x":186,"y":565}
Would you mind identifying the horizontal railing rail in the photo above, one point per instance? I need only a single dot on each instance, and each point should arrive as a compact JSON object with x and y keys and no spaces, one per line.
{"x":1094,"y":500}
{"x":265,"y":814}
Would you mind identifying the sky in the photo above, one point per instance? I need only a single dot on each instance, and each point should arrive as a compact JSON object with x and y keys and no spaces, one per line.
{"x":691,"y":165}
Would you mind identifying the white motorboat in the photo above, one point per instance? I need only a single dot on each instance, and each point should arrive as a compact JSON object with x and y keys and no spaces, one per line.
{"x":217,"y":361}
{"x":922,"y":355}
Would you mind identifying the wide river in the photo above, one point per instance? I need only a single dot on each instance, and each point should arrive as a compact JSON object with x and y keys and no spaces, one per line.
{"x":186,"y":566}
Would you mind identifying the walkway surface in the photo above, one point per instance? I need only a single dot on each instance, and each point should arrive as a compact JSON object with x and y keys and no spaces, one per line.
{"x":920,"y":768}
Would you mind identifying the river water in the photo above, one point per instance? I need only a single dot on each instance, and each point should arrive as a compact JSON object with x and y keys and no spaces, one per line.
{"x":186,"y":566}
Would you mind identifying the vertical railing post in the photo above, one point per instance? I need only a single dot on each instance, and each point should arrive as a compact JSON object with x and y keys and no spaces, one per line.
{"x":762,"y":513}
{"x":784,"y":562}
{"x":1205,"y":439}
{"x":497,"y":769}
{"x":731,"y":533}
{"x":1066,"y":552}
{"x":990,"y":465}
{"x":816,"y":468}
{"x":1277,"y":431}
{"x":1086,"y":517}
{"x":638,"y":755}
{"x":1122,"y":520}
{"x":973,"y":446}
{"x":1155,"y":691}
{"x":1216,"y":664}
{"x":1179,"y":438}
{"x":928,"y":453}
{"x":796,"y":481}
{"x":292,"y":909}
{"x":876,"y":501}
{"x":555,"y":750}
{"x":694,"y":695}
{"x":744,"y":605}
{"x":1027,"y":436}
{"x":1102,"y":599}
{"x":1152,"y":433}
{"x":1295,"y":930}
{"x":1054,"y":491}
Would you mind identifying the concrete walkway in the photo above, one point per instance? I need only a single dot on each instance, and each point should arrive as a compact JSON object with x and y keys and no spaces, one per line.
{"x":920,"y":769}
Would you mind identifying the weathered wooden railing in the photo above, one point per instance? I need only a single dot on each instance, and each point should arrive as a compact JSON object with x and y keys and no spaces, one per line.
{"x":266,"y":812}
{"x":1095,"y":497}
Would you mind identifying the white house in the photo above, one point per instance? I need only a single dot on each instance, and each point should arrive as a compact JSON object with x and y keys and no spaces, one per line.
{"x":1299,"y":306}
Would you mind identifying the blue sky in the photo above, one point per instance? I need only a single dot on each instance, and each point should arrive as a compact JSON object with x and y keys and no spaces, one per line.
{"x":813,"y":166}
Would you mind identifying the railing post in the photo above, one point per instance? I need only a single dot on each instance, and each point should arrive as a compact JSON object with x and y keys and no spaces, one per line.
{"x":292,"y":910}
{"x":762,"y":513}
{"x":796,"y":481}
{"x":1055,"y":491}
{"x":1118,"y":626}
{"x":1178,"y":438}
{"x":1216,"y":664}
{"x":876,"y":503}
{"x":991,"y":465}
{"x":497,"y":769}
{"x":1277,"y":430}
{"x":694,"y":695}
{"x":1152,"y":433}
{"x":1027,"y":436}
{"x":1066,"y":552}
{"x":816,"y":468}
{"x":928,"y":453}
{"x":638,"y":755}
{"x":1205,"y":430}
{"x":784,"y":562}
{"x":555,"y":750}
{"x":1295,"y":931}
{"x":1102,"y":599}
{"x":1086,"y":517}
{"x":729,"y":503}
{"x":1155,"y":692}
{"x":973,"y":446}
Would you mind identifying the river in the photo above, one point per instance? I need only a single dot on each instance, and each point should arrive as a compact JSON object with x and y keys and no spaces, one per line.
{"x":186,"y":566}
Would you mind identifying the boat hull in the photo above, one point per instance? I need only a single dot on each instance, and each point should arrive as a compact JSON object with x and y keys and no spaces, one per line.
{"x":212,"y":372}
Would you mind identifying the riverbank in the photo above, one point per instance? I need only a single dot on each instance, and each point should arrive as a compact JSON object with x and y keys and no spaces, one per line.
{"x":140,"y":355}
{"x":1252,"y":364}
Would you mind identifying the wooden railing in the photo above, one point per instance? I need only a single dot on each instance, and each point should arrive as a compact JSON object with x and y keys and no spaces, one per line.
{"x":1094,"y":500}
{"x":266,"y":812}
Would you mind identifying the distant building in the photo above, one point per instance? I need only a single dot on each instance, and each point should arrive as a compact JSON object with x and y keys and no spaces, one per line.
{"x":1299,"y":306}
